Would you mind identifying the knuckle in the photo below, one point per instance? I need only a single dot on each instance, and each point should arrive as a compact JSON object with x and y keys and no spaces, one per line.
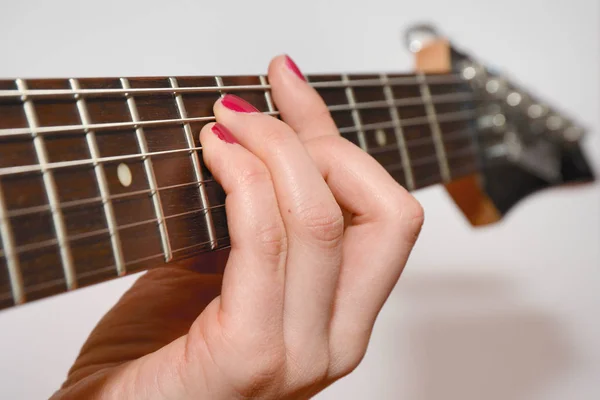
{"x":348,"y":363}
{"x":324,"y":224}
{"x":345,"y":361}
{"x":309,"y":370}
{"x":272,"y":240}
{"x":253,"y":175}
{"x":408,"y":215}
{"x":266,"y":369}
{"x":276,"y":136}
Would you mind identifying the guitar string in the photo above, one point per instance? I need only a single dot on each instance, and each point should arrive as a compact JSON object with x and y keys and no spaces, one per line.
{"x":443,"y":79}
{"x":51,"y":242}
{"x":409,"y":122}
{"x":453,"y":99}
{"x":205,"y":247}
{"x":416,"y":162}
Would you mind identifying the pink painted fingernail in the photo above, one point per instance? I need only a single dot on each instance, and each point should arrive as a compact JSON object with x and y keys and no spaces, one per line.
{"x":223,"y":133}
{"x":292,"y":66}
{"x":237,"y":104}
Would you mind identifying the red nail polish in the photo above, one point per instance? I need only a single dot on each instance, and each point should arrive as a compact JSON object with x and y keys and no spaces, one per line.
{"x":223,"y":133}
{"x":237,"y":104}
{"x":292,"y":65}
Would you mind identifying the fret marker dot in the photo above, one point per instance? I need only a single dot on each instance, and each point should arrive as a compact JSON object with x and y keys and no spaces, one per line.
{"x":124,"y":175}
{"x":380,"y":137}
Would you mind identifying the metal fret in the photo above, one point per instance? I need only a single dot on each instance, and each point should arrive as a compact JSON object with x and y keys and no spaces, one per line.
{"x":51,"y":190}
{"x":111,"y":221}
{"x":219,"y":82}
{"x":10,"y":253}
{"x":268,"y":99}
{"x":389,"y":96}
{"x":158,"y":210}
{"x":362,"y":141}
{"x":212,"y":235}
{"x":435,"y":128}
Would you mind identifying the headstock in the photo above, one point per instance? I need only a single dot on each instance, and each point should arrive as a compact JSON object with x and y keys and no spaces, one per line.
{"x":525,"y":144}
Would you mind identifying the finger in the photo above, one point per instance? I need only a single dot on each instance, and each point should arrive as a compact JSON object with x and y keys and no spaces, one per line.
{"x":312,"y":218}
{"x":252,"y":293}
{"x":382,"y":212}
{"x":299,"y":104}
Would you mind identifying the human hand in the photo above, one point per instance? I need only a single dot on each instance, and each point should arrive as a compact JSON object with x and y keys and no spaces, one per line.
{"x":320,"y":233}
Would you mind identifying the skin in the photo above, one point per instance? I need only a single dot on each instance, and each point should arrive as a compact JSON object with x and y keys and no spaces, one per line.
{"x":320,"y":234}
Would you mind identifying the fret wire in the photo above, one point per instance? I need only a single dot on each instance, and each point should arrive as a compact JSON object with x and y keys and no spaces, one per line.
{"x":111,"y":222}
{"x":196,"y":164}
{"x":268,"y":99}
{"x":33,"y":93}
{"x":398,"y":132}
{"x":10,"y":253}
{"x":459,"y":98}
{"x":141,"y":139}
{"x":219,"y":82}
{"x":362,"y":141}
{"x":435,"y":128}
{"x":51,"y":190}
{"x":446,"y":117}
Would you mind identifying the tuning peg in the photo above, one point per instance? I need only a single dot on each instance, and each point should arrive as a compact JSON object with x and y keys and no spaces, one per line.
{"x":419,"y":35}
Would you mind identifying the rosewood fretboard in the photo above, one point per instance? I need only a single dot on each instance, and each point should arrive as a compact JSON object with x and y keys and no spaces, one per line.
{"x":104,"y":177}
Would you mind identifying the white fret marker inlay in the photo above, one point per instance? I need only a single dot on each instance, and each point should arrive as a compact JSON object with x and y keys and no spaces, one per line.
{"x":380,"y":137}
{"x":124,"y":175}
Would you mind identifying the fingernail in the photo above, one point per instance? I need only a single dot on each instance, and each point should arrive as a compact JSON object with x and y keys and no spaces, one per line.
{"x":223,"y":133}
{"x":293,"y":67}
{"x":237,"y":104}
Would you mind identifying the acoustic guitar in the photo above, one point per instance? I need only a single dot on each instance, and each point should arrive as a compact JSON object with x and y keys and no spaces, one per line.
{"x":103,"y":177}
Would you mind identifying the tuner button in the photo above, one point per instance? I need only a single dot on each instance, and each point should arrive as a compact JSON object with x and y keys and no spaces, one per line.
{"x":492,"y":86}
{"x":573,"y":133}
{"x":419,"y":35}
{"x":499,"y":120}
{"x":554,"y":122}
{"x":469,"y":73}
{"x":535,"y":111}
{"x":514,"y":99}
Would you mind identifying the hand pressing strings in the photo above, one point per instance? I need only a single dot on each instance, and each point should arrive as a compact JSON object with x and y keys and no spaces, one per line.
{"x":320,"y":233}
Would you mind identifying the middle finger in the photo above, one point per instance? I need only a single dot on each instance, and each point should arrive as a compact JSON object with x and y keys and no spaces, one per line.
{"x":313,"y":220}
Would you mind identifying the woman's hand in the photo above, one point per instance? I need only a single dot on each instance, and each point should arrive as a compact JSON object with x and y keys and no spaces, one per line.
{"x":319,"y":236}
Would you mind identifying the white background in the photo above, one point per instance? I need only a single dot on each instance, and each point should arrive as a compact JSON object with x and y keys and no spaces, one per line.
{"x":510,"y":311}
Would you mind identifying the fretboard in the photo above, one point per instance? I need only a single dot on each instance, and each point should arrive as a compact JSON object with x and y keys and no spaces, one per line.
{"x":104,"y":177}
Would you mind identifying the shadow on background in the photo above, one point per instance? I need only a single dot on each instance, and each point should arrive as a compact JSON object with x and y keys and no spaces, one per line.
{"x":475,"y":338}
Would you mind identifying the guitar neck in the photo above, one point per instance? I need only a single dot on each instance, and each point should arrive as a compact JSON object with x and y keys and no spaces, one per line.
{"x":104,"y":177}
